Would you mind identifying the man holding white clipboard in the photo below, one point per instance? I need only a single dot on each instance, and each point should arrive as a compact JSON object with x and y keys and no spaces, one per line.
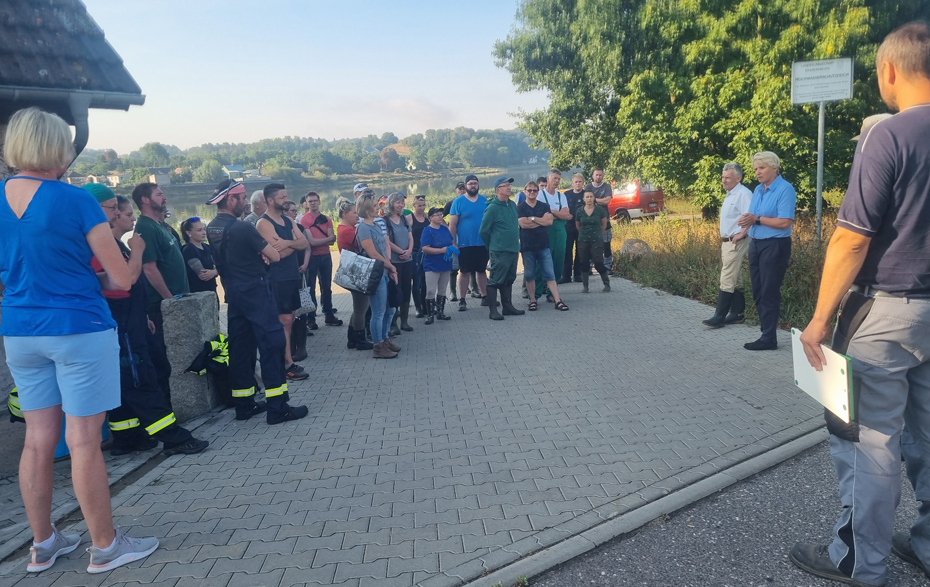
{"x":877,"y":271}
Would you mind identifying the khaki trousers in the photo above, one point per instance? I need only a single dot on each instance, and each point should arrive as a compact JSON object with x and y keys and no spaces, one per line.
{"x":732,"y":255}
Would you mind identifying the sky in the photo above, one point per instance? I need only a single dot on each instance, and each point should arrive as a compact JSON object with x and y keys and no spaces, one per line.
{"x":236,"y":71}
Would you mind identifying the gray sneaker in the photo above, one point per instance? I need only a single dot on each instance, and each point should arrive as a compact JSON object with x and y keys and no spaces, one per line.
{"x":44,"y":558}
{"x":124,"y":550}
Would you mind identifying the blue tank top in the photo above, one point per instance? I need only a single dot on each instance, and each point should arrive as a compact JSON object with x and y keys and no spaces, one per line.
{"x":51,"y":288}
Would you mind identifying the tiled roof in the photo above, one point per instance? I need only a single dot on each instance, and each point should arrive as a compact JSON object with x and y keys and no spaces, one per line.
{"x":55,"y":44}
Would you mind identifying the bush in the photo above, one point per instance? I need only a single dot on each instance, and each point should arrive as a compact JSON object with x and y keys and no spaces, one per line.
{"x":687,"y":263}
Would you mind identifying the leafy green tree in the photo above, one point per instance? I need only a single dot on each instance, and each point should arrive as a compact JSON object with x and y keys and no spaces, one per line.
{"x":369,"y":163}
{"x":669,"y":91}
{"x":138,"y":175}
{"x":154,"y":155}
{"x":210,"y":171}
{"x":389,"y":159}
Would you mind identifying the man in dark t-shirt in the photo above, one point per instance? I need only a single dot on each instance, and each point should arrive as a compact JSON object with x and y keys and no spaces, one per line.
{"x":535,"y":218}
{"x":877,"y":270}
{"x":241,"y":256}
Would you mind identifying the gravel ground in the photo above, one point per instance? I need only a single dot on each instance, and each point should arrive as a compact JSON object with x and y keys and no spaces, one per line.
{"x":737,"y":538}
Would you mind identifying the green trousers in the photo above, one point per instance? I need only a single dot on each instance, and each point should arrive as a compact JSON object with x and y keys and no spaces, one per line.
{"x":557,"y":240}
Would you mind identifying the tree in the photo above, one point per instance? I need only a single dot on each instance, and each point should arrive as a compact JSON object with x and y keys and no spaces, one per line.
{"x":154,"y":155}
{"x":389,"y":138}
{"x":670,"y":91}
{"x":369,"y":163}
{"x":210,"y":171}
{"x":389,"y":159}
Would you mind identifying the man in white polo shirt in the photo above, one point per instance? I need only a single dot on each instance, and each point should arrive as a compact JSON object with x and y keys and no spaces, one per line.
{"x":731,"y":303}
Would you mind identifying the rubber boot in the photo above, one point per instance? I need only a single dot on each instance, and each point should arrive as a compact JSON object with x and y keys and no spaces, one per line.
{"x":394,"y":331}
{"x":440,"y":308}
{"x":492,"y":304}
{"x":299,"y":341}
{"x":362,"y":343}
{"x":430,"y":311}
{"x":585,"y":278}
{"x":606,"y":279}
{"x":737,"y":308}
{"x":404,"y":315}
{"x":351,"y":338}
{"x":507,"y":302}
{"x":723,"y":305}
{"x":454,"y":286}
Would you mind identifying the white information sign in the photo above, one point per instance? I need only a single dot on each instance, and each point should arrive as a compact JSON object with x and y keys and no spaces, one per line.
{"x":821,"y":81}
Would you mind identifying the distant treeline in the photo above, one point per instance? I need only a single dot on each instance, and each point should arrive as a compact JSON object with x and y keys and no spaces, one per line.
{"x":291,"y":158}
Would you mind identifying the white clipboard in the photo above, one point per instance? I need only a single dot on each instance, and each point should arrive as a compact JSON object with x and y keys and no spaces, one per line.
{"x":832,"y":387}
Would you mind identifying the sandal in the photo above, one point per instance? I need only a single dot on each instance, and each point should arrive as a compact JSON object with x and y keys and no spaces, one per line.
{"x":532,"y":307}
{"x":560,"y":306}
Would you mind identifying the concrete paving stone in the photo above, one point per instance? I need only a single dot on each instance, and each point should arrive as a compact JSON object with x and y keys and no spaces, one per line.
{"x":548,"y":521}
{"x":375,"y":551}
{"x":313,"y":576}
{"x":165,"y":583}
{"x":476,"y":542}
{"x":353,"y":555}
{"x":218,"y":581}
{"x":178,"y":570}
{"x":230,"y":524}
{"x":30,"y":579}
{"x":576,"y":505}
{"x":374,"y":569}
{"x":204,"y":527}
{"x":448,"y":544}
{"x":137,"y":520}
{"x":312,"y":543}
{"x":231,"y":551}
{"x":270,"y":579}
{"x":490,"y":512}
{"x":340,"y":526}
{"x":235,"y":512}
{"x":286,"y":531}
{"x":179,"y":516}
{"x":346,"y":491}
{"x":382,"y":537}
{"x":249,"y":497}
{"x":360,"y":501}
{"x":289,"y":519}
{"x":392,"y":497}
{"x":257,"y":509}
{"x":249,"y":535}
{"x":170,"y":555}
{"x":452,"y":560}
{"x":302,"y":560}
{"x":429,"y":518}
{"x":474,"y":489}
{"x":404,"y":580}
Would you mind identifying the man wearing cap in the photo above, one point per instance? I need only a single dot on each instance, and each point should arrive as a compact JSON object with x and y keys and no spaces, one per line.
{"x":500,"y":232}
{"x":144,"y":417}
{"x":241,"y":256}
{"x":465,"y":218}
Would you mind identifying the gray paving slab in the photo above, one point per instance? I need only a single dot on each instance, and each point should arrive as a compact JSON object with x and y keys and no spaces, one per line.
{"x":481,"y":444}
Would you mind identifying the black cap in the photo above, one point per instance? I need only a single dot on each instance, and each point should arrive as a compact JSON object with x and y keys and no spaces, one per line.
{"x":468,"y":178}
{"x":434,"y":210}
{"x":460,"y":185}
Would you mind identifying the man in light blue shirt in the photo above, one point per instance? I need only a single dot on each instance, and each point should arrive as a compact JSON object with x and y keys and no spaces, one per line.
{"x":770,"y":217}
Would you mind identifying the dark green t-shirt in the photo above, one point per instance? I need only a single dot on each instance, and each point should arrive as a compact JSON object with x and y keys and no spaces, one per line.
{"x":590,"y":224}
{"x":165,"y":250}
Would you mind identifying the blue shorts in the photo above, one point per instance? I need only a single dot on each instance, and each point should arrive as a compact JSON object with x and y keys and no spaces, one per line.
{"x":79,"y":372}
{"x":544,"y":258}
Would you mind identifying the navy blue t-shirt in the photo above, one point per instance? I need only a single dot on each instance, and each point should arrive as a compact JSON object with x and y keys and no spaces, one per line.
{"x":533,"y":239}
{"x":889,"y":200}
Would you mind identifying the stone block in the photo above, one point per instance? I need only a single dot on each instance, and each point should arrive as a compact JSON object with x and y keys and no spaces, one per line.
{"x":634,"y":247}
{"x":189,"y":322}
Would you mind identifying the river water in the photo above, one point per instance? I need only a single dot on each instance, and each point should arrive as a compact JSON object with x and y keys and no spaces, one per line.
{"x":185,"y":201}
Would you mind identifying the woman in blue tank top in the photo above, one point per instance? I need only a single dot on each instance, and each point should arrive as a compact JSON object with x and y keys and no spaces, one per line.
{"x":61,"y":342}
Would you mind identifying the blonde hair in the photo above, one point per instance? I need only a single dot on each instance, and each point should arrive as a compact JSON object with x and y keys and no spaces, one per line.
{"x":577,"y":175}
{"x":767,"y":158}
{"x":343,"y":205}
{"x":367,"y":204}
{"x":38,"y":140}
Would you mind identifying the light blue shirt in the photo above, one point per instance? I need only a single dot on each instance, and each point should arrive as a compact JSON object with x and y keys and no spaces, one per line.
{"x":470,"y":215}
{"x":776,"y":201}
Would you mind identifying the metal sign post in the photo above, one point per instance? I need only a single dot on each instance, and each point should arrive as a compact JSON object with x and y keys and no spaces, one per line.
{"x":821,"y":81}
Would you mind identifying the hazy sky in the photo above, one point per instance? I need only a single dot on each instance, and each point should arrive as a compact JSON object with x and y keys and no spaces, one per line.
{"x":236,"y":71}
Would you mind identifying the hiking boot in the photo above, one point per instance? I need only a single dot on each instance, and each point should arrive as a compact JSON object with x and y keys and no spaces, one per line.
{"x":119,"y":449}
{"x":292,"y":413}
{"x":362,"y":343}
{"x":254,"y":410}
{"x":381,"y":351}
{"x":311,"y":324}
{"x":901,"y":546}
{"x":391,"y":344}
{"x":123,"y":550}
{"x":191,"y":447}
{"x":43,"y":558}
{"x":331,"y":320}
{"x":814,"y":559}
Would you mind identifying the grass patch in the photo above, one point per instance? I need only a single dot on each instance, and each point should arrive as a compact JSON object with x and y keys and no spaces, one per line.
{"x":687,"y":262}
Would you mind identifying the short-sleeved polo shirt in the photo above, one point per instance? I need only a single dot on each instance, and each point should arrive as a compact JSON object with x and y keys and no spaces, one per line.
{"x":776,"y":201}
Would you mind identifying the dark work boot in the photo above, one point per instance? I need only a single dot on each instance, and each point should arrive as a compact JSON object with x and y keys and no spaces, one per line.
{"x":361,"y":343}
{"x":454,"y":286}
{"x":585,"y":278}
{"x":404,"y":316}
{"x":507,"y":303}
{"x":723,"y":304}
{"x":440,"y":308}
{"x":606,"y":281}
{"x":350,"y":338}
{"x":430,"y":311}
{"x":492,"y":304}
{"x":737,"y":312}
{"x":299,"y":341}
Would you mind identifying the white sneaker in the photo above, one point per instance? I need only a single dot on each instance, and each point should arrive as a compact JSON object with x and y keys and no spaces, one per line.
{"x":44,"y":558}
{"x":124,"y":550}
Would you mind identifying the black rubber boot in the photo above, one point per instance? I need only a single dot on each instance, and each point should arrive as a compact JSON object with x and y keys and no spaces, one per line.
{"x":361,"y":343}
{"x":723,"y":304}
{"x":299,"y":341}
{"x":440,"y":308}
{"x":430,"y":311}
{"x":737,"y":312}
{"x":454,"y":286}
{"x":585,"y":278}
{"x":350,"y":338}
{"x":404,"y":319}
{"x":492,"y":304}
{"x":507,"y":303}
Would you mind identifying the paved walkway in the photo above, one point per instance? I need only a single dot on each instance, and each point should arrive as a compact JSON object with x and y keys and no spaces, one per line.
{"x":482,"y":443}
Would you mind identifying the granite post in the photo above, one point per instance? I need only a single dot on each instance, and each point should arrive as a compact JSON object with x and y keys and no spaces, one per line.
{"x":190,"y":321}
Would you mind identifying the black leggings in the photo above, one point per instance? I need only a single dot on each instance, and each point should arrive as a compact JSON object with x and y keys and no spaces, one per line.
{"x":591,"y":251}
{"x":405,"y":281}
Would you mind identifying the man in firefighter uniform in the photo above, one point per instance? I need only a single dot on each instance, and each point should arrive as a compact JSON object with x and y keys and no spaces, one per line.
{"x":144,"y":417}
{"x":241,"y":256}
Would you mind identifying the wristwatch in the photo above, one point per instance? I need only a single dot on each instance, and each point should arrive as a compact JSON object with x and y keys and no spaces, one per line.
{"x":533,"y":218}
{"x":758,"y":221}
